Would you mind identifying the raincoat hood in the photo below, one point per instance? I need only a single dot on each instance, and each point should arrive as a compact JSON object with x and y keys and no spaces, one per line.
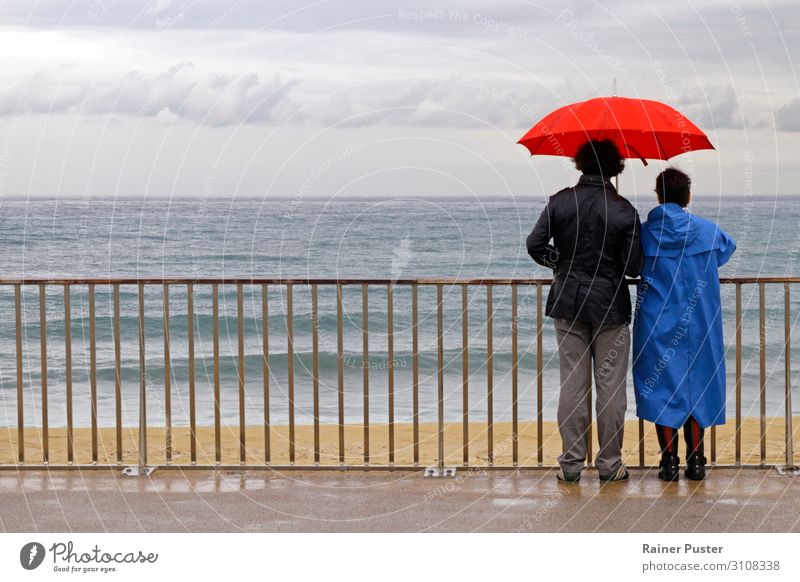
{"x":671,"y":231}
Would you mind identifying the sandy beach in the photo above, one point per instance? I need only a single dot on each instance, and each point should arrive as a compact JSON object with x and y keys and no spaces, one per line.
{"x":378,"y":444}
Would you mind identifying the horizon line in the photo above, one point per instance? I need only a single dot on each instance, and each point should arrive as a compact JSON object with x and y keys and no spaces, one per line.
{"x":50,"y":197}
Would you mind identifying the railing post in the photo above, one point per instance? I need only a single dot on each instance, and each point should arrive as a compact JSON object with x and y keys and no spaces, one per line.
{"x":93,"y":371}
{"x":141,"y":470}
{"x":390,"y":365}
{"x":315,"y":368}
{"x":68,"y":373}
{"x":440,"y":470}
{"x":790,"y":468}
{"x":167,"y":380}
{"x":787,"y":306}
{"x":142,"y":386}
{"x":43,"y":344}
{"x":20,"y":392}
{"x":440,"y":373}
{"x":465,"y":373}
{"x":762,"y":373}
{"x":514,"y":379}
{"x":415,"y":371}
{"x":340,"y":372}
{"x":738,"y":421}
{"x":192,"y":372}
{"x":217,"y":393}
{"x":290,"y":368}
{"x":489,"y":377}
{"x":365,"y":366}
{"x":240,"y":342}
{"x":117,"y":376}
{"x":266,"y":371}
{"x":539,"y":380}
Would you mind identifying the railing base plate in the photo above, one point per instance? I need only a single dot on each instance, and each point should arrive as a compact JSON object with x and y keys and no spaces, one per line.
{"x":439,"y":472}
{"x":788,"y":470}
{"x":137,"y":471}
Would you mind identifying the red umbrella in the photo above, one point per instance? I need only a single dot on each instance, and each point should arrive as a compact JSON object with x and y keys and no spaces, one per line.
{"x":639,"y":127}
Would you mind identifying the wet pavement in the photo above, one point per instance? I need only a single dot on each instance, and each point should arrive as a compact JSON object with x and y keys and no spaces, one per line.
{"x":171,"y":500}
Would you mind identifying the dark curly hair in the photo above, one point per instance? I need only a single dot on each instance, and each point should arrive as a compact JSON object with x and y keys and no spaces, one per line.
{"x":672,"y":185}
{"x":600,"y":158}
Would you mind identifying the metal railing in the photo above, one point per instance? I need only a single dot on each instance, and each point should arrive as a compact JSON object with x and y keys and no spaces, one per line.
{"x":535,"y":459}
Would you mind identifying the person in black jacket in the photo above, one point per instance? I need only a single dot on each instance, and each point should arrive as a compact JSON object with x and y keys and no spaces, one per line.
{"x":595,"y":245}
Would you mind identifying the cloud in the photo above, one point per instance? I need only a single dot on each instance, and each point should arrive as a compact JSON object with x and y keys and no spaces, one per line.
{"x":456,"y":101}
{"x":180,"y":93}
{"x":717,"y":107}
{"x":787,"y":118}
{"x":183,"y":92}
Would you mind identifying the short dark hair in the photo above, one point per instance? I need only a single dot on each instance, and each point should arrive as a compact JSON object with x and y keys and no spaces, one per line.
{"x":600,"y":158}
{"x":672,"y":185}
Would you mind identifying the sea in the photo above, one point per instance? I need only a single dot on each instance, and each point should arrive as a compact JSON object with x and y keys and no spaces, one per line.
{"x":327,"y":238}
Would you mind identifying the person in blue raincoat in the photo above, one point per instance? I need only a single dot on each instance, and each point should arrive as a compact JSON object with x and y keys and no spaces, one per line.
{"x":678,"y":347}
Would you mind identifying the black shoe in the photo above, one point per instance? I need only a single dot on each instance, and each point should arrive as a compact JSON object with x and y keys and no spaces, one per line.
{"x":669,"y":469}
{"x":565,"y":477}
{"x":695,"y":467}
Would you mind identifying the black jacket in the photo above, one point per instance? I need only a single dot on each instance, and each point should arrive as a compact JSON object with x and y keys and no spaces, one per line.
{"x":595,"y":232}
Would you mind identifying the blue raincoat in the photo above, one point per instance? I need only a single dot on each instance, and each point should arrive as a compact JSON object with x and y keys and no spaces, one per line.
{"x":678,"y":347}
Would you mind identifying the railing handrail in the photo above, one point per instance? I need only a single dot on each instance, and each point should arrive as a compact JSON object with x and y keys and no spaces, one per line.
{"x":332,"y":281}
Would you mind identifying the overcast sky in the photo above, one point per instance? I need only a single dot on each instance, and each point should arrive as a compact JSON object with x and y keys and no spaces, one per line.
{"x":351,"y":98}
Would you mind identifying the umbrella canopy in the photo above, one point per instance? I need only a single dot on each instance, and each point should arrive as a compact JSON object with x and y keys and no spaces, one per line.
{"x":640,"y":128}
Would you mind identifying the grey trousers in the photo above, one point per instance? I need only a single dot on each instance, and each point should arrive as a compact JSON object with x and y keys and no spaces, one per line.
{"x":581,"y":347}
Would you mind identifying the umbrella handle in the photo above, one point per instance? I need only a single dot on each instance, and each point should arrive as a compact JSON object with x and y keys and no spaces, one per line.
{"x":638,"y":155}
